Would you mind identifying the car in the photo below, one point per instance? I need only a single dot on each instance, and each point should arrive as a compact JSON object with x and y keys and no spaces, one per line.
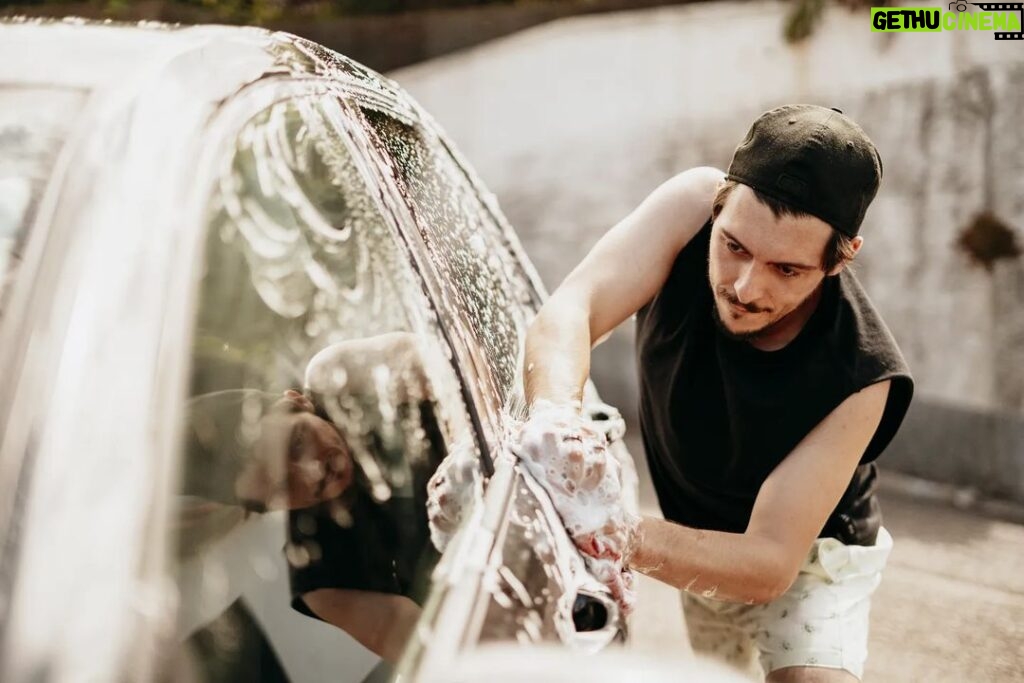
{"x":255,"y":312}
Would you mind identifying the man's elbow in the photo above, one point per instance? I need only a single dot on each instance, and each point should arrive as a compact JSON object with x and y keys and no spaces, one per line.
{"x":769,"y":591}
{"x":774,"y":577}
{"x":562,"y":308}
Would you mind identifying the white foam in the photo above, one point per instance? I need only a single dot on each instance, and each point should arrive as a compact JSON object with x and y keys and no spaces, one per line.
{"x":570,"y":458}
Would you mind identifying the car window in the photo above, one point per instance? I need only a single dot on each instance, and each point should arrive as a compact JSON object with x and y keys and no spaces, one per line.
{"x":487,"y":295}
{"x":34,"y":122}
{"x":322,"y":398}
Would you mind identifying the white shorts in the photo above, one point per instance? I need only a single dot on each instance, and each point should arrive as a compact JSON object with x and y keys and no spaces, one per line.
{"x":822,"y":620}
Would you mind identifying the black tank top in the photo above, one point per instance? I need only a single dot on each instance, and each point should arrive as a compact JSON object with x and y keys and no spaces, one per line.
{"x":718,"y":415}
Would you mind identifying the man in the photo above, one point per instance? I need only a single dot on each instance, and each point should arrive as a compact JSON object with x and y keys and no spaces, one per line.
{"x":768,"y":386}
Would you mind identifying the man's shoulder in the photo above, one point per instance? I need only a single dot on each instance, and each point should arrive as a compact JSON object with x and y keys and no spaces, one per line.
{"x":695,"y":188}
{"x":683,"y":210}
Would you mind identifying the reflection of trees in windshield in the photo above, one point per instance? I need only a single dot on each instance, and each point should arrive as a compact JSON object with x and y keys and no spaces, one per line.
{"x":296,"y":229}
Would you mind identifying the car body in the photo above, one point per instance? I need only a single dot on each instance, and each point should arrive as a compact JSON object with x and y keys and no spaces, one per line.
{"x":193,"y":221}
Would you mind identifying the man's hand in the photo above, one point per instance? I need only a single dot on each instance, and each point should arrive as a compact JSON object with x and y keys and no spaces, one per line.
{"x":453,"y":489}
{"x":570,"y":458}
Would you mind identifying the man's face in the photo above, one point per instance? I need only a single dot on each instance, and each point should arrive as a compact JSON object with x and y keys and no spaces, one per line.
{"x":298,"y":460}
{"x":763,"y":269}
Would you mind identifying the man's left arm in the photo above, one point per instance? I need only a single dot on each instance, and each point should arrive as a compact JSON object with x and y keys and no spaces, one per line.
{"x":792,"y":506}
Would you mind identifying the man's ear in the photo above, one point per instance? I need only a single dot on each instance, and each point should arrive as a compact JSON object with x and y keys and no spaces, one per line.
{"x":857,"y":242}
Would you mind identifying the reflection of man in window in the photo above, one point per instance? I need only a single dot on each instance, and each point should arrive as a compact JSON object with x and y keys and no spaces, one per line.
{"x":349,"y":459}
{"x":362,"y":561}
{"x":299,"y":459}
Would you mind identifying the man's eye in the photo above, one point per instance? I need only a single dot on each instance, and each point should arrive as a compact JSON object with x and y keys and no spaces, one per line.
{"x":788,"y":272}
{"x":733,"y":247}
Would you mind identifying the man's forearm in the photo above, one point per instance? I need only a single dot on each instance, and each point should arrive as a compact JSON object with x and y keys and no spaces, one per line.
{"x":557,"y":357}
{"x":727,"y":566}
{"x":380,"y":622}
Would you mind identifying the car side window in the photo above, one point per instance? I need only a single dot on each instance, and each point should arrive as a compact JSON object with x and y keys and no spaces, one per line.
{"x":487,"y":294}
{"x":321,"y":400}
{"x":34,"y":122}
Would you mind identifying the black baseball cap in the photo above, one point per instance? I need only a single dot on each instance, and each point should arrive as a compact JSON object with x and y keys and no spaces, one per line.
{"x":814,"y":159}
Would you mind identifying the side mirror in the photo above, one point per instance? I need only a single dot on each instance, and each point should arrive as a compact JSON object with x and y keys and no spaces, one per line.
{"x":589,"y":613}
{"x":607,"y":419}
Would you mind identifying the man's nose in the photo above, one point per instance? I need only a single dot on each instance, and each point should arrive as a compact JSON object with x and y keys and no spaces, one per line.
{"x":749,"y":285}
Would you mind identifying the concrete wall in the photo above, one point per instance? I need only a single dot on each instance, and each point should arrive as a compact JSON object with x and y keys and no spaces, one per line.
{"x":573,"y":123}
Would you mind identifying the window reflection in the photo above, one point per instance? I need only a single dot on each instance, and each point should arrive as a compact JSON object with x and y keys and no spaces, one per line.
{"x":321,"y":402}
{"x":364,"y":557}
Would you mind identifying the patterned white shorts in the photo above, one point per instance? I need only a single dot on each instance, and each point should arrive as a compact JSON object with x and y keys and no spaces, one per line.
{"x":822,"y":620}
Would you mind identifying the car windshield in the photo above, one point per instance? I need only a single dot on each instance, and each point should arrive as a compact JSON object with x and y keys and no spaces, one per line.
{"x":34,"y":122}
{"x":322,"y":399}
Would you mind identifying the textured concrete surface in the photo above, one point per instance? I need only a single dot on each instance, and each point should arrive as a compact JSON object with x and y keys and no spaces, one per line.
{"x":951,"y":604}
{"x":950,"y":607}
{"x":571,"y":124}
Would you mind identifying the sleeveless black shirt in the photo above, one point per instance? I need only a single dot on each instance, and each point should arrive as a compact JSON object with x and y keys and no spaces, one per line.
{"x":718,"y":415}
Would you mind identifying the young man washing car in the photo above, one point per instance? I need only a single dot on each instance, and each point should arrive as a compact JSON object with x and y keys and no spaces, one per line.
{"x":768,"y":386}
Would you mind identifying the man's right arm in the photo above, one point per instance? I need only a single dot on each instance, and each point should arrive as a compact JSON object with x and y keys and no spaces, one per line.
{"x":623,"y":271}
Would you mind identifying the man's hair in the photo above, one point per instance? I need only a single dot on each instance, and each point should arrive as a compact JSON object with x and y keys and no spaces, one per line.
{"x":839,"y":248}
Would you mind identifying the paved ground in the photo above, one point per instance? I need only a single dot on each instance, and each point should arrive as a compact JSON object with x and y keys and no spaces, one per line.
{"x":950,"y":607}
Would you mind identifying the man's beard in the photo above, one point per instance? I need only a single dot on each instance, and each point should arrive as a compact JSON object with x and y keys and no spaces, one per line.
{"x":733,"y":335}
{"x":748,"y":335}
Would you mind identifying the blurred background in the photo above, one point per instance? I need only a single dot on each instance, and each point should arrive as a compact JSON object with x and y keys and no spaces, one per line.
{"x":572,"y":111}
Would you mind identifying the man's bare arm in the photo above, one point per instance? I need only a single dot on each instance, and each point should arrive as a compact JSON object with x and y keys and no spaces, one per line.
{"x":380,"y":622}
{"x":622,"y":272}
{"x":792,"y":506}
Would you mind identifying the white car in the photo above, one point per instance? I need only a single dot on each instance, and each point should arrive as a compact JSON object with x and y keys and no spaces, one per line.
{"x":251,"y":300}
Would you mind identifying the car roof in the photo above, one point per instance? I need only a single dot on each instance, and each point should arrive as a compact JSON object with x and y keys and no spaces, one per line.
{"x":211,"y":61}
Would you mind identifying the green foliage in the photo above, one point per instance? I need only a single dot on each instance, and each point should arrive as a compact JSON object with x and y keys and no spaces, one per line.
{"x":253,"y":11}
{"x":251,"y":8}
{"x":805,"y":15}
{"x":802,"y":18}
{"x":248,"y":11}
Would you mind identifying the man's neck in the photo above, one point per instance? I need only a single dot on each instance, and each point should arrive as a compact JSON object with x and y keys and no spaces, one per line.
{"x":783,"y":331}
